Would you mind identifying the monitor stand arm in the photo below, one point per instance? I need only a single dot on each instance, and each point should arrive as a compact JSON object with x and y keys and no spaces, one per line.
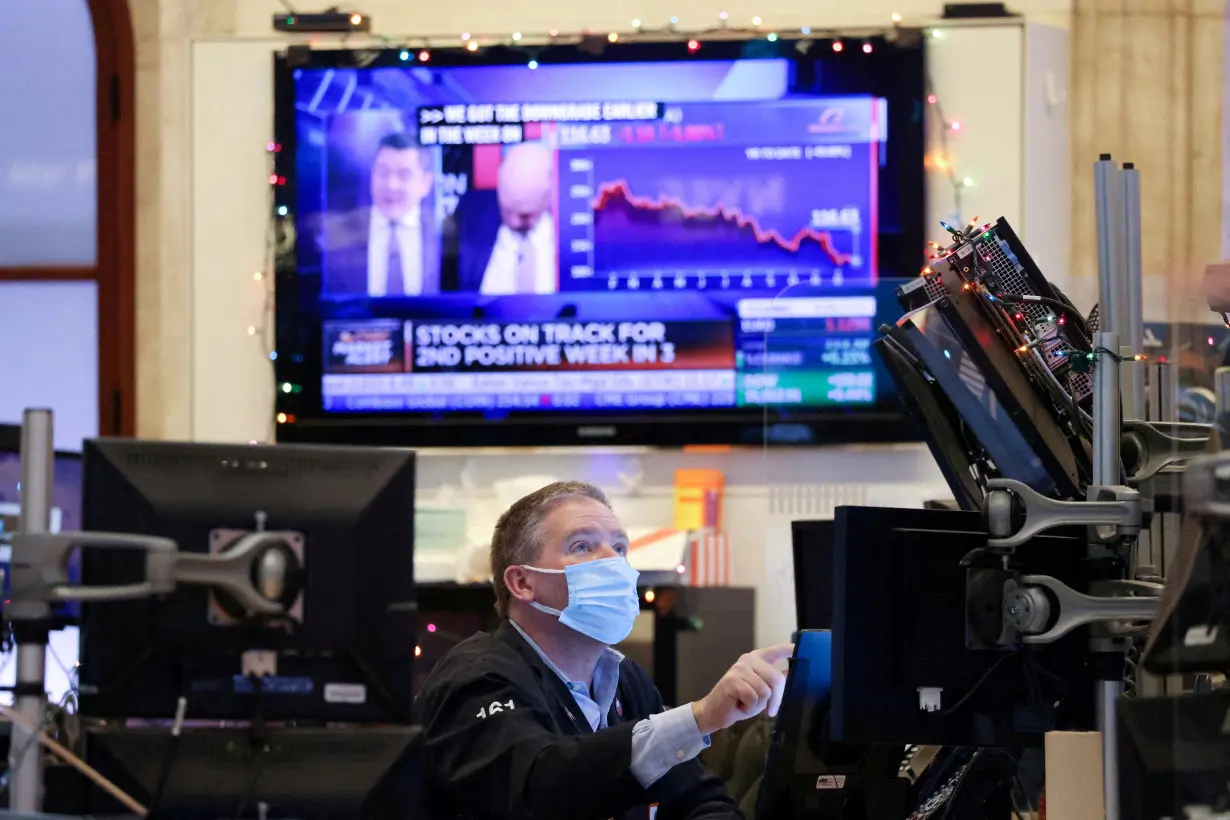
{"x":40,"y":578}
{"x":1039,"y":609}
{"x":1161,"y":445}
{"x":1015,"y":513}
{"x":1048,"y":609}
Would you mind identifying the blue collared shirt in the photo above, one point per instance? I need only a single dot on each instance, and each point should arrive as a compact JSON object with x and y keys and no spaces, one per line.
{"x":659,"y":742}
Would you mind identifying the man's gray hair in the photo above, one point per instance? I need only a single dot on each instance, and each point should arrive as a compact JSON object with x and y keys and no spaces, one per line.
{"x":517,"y":539}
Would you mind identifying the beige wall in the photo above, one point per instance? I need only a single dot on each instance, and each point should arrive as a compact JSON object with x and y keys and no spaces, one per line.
{"x":1147,"y":78}
{"x":1147,"y":88}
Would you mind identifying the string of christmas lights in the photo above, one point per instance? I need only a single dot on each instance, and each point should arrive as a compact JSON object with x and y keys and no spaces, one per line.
{"x":533,"y":47}
{"x":262,"y":330}
{"x":418,"y":47}
{"x":941,"y":131}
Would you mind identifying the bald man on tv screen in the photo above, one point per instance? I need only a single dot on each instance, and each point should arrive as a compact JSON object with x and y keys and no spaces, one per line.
{"x":523,"y":257}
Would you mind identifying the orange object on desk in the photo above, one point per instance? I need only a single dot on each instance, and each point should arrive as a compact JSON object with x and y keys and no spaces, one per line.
{"x":698,"y":499}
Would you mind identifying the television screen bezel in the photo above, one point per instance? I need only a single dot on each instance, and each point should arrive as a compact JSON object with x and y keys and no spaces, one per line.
{"x":297,"y":364}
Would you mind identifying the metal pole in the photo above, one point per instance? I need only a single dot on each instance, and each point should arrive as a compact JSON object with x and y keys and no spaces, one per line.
{"x":1106,"y":461}
{"x":1108,"y":202}
{"x":1133,"y":333}
{"x":25,"y":754}
{"x":1108,"y":694}
{"x":1163,"y":392}
{"x":1106,"y":472}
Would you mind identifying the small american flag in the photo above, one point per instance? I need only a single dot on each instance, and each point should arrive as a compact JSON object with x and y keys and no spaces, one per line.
{"x":708,"y":561}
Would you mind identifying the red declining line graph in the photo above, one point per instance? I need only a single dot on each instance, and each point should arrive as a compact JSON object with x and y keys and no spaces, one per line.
{"x":620,"y":189}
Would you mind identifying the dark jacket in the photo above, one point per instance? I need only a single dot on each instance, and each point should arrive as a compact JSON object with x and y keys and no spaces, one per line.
{"x":478,"y":227}
{"x":344,"y":250}
{"x":504,"y":740}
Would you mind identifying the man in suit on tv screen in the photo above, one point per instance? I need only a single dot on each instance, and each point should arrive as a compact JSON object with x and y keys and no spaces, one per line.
{"x":517,"y":254}
{"x":392,"y":248}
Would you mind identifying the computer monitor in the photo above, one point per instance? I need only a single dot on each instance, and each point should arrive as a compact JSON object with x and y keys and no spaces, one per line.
{"x":900,"y":628}
{"x":1191,"y":631}
{"x":346,"y":652}
{"x":320,"y":773}
{"x":65,"y":515}
{"x":1005,"y":425}
{"x":806,"y":773}
{"x":1174,"y":755}
{"x":955,"y":450}
{"x":812,"y":543}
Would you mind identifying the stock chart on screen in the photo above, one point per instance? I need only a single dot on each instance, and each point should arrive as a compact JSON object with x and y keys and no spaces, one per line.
{"x":722,"y":195}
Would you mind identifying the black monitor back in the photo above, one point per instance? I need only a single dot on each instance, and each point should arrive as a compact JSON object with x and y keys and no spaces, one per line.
{"x":900,"y":624}
{"x":1191,"y":631}
{"x":812,"y":543}
{"x":808,"y":775}
{"x":1173,"y":753}
{"x":942,"y":427}
{"x":304,"y":773}
{"x":350,"y":658}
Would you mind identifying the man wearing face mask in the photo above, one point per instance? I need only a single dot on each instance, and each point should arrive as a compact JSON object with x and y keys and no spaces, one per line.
{"x":542,"y":719}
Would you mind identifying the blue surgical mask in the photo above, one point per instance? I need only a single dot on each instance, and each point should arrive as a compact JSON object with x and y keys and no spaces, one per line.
{"x":602,"y":600}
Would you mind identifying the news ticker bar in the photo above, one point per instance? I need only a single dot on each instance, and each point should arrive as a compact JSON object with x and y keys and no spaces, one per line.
{"x":530,"y":401}
{"x":539,"y":112}
{"x":596,"y":390}
{"x":551,"y":382}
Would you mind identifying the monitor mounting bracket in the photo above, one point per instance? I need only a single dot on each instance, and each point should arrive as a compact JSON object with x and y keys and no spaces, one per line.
{"x":1039,"y":609}
{"x":40,"y":578}
{"x":1015,"y":513}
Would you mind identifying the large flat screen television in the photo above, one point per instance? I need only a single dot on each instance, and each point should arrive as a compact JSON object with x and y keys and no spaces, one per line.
{"x":642,"y":243}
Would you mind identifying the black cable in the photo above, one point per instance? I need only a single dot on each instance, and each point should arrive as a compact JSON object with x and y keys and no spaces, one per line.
{"x":944,"y":773}
{"x":168,"y":762}
{"x":1063,"y":684}
{"x":936,"y":777}
{"x":956,"y":789}
{"x":973,"y":689}
{"x":164,"y":777}
{"x":259,"y":744}
{"x":1080,"y":428}
{"x":1030,"y":299}
{"x":1036,"y":697}
{"x":1074,"y":407}
{"x":258,"y":769}
{"x":1076,"y":314}
{"x":1106,"y":351}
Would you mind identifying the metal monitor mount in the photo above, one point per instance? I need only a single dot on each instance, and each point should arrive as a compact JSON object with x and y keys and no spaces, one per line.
{"x":1039,"y":609}
{"x":39,"y":578}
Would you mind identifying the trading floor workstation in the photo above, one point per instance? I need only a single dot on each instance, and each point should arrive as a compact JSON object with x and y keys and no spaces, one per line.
{"x":944,"y":658}
{"x":626,"y":241}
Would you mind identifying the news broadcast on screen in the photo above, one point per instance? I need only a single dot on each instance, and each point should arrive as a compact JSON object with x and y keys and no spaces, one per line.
{"x":494,"y":239}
